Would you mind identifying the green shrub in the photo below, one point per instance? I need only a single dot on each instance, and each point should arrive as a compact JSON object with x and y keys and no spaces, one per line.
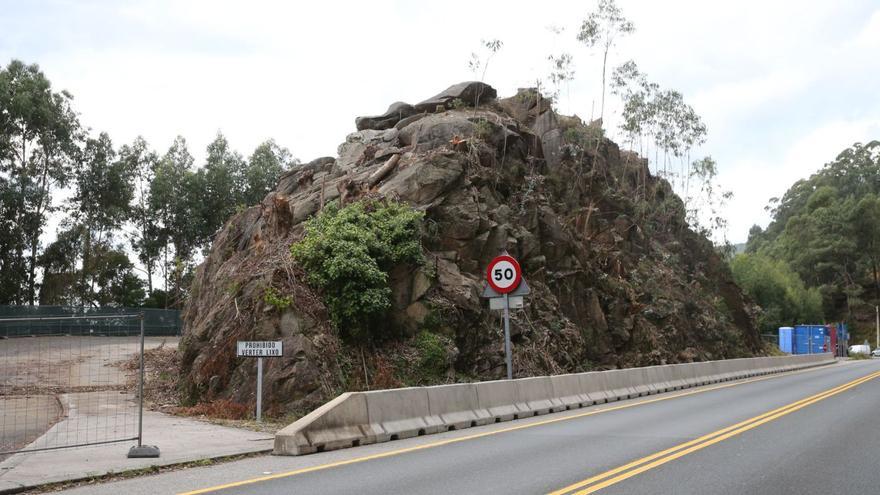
{"x":347,"y":253}
{"x":273,"y":298}
{"x":431,"y":364}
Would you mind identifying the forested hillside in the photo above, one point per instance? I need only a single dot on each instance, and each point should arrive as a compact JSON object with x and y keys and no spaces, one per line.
{"x":819,"y":259}
{"x":131,"y":221}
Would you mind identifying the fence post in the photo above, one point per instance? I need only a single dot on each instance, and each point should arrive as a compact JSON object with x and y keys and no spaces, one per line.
{"x":142,"y":450}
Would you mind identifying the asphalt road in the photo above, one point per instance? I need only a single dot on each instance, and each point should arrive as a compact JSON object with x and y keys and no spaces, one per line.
{"x":815,"y":431}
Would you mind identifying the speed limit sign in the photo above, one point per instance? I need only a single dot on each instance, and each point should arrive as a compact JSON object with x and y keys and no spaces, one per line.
{"x":504,"y":274}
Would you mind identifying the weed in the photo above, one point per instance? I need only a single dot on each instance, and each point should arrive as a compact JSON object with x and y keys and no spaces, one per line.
{"x":483,"y":129}
{"x":272,"y":298}
{"x":219,"y":409}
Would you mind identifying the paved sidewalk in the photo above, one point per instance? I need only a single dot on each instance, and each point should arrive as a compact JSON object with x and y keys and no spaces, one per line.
{"x":179,"y":440}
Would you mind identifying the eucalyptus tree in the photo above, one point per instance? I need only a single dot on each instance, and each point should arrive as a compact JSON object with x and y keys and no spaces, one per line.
{"x":264,"y":167}
{"x":661,"y":115}
{"x":39,"y":133}
{"x":224,"y":179}
{"x":638,"y":119}
{"x":145,"y":238}
{"x":101,"y":203}
{"x":561,"y":72}
{"x":174,"y":197}
{"x":12,"y":244}
{"x":601,"y":29}
{"x":480,"y":63}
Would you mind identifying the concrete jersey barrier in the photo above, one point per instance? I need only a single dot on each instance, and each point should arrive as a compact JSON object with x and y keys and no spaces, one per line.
{"x":361,"y":418}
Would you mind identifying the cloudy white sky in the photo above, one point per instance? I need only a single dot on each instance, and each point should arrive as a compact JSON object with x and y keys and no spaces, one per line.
{"x":783,"y":86}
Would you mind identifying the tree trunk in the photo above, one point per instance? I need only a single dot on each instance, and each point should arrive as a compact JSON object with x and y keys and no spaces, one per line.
{"x":35,"y":236}
{"x":165,"y":272}
{"x":602,"y":105}
{"x":22,"y":203}
{"x":876,"y":277}
{"x":86,"y":259}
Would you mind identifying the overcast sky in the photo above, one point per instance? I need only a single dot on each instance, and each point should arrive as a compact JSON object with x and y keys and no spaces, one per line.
{"x":782,"y":86}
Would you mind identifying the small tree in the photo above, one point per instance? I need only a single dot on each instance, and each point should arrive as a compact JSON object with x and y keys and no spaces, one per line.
{"x":561,"y":72}
{"x":266,"y":164}
{"x":602,"y":28}
{"x":478,"y":62}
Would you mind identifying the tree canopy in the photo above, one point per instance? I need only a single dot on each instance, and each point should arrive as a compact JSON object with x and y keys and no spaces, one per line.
{"x":827,"y":229}
{"x":129,"y":210}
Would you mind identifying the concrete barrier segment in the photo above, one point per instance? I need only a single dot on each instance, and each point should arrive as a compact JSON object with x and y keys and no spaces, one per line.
{"x":567,"y":390}
{"x":499,"y":399}
{"x":400,"y":413}
{"x":593,"y":385}
{"x":455,"y":406}
{"x":535,"y":395}
{"x":340,"y":423}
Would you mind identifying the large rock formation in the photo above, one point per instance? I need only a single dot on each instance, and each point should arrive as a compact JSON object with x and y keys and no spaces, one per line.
{"x":618,"y":279}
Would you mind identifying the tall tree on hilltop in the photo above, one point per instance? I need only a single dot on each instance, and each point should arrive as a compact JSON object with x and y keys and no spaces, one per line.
{"x":225,"y":181}
{"x":866,"y":222}
{"x":602,"y":28}
{"x":173,"y":193}
{"x":266,"y":164}
{"x":480,"y":64}
{"x":145,"y":239}
{"x":101,"y":203}
{"x":12,"y":244}
{"x":39,"y":132}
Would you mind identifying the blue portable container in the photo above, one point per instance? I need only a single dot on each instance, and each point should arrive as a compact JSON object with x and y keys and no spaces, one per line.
{"x":810,"y":339}
{"x":786,"y":335}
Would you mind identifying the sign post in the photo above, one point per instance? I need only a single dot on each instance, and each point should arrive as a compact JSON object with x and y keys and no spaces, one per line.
{"x":505,"y":277}
{"x":259,"y":350}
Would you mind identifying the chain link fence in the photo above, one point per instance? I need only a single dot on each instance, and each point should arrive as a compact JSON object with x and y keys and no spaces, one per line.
{"x":71,"y":378}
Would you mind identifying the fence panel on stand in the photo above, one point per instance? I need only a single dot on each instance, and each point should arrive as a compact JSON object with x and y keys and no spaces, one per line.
{"x":70,"y":380}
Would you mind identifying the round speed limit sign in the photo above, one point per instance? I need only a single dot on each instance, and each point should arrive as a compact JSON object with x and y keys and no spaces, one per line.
{"x":504,"y":274}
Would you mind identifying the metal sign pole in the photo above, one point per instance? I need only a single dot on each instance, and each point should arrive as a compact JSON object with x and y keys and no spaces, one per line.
{"x":507,"y":337}
{"x":259,"y":388}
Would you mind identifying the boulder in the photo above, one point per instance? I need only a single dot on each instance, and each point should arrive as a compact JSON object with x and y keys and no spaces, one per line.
{"x":397,"y":111}
{"x":434,"y":131}
{"x":423,"y":181}
{"x":471,"y":93}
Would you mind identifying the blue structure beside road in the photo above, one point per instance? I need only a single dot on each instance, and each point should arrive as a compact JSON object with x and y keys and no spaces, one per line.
{"x":812,"y":339}
{"x":786,"y":339}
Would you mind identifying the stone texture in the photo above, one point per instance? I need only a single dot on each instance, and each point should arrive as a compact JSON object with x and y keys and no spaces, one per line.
{"x":397,"y":111}
{"x":471,"y":93}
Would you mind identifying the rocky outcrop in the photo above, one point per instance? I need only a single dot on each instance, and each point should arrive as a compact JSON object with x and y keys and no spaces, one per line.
{"x":395,"y":113}
{"x":618,"y":279}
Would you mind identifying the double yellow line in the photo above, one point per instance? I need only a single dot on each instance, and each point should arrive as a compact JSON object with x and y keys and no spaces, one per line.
{"x":448,"y":441}
{"x":616,"y":475}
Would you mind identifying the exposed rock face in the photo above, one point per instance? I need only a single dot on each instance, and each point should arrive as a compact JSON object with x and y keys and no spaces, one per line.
{"x":617,"y":277}
{"x":387,"y":120}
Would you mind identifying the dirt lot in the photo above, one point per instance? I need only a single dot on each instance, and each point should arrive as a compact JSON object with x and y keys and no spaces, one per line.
{"x":44,"y":380}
